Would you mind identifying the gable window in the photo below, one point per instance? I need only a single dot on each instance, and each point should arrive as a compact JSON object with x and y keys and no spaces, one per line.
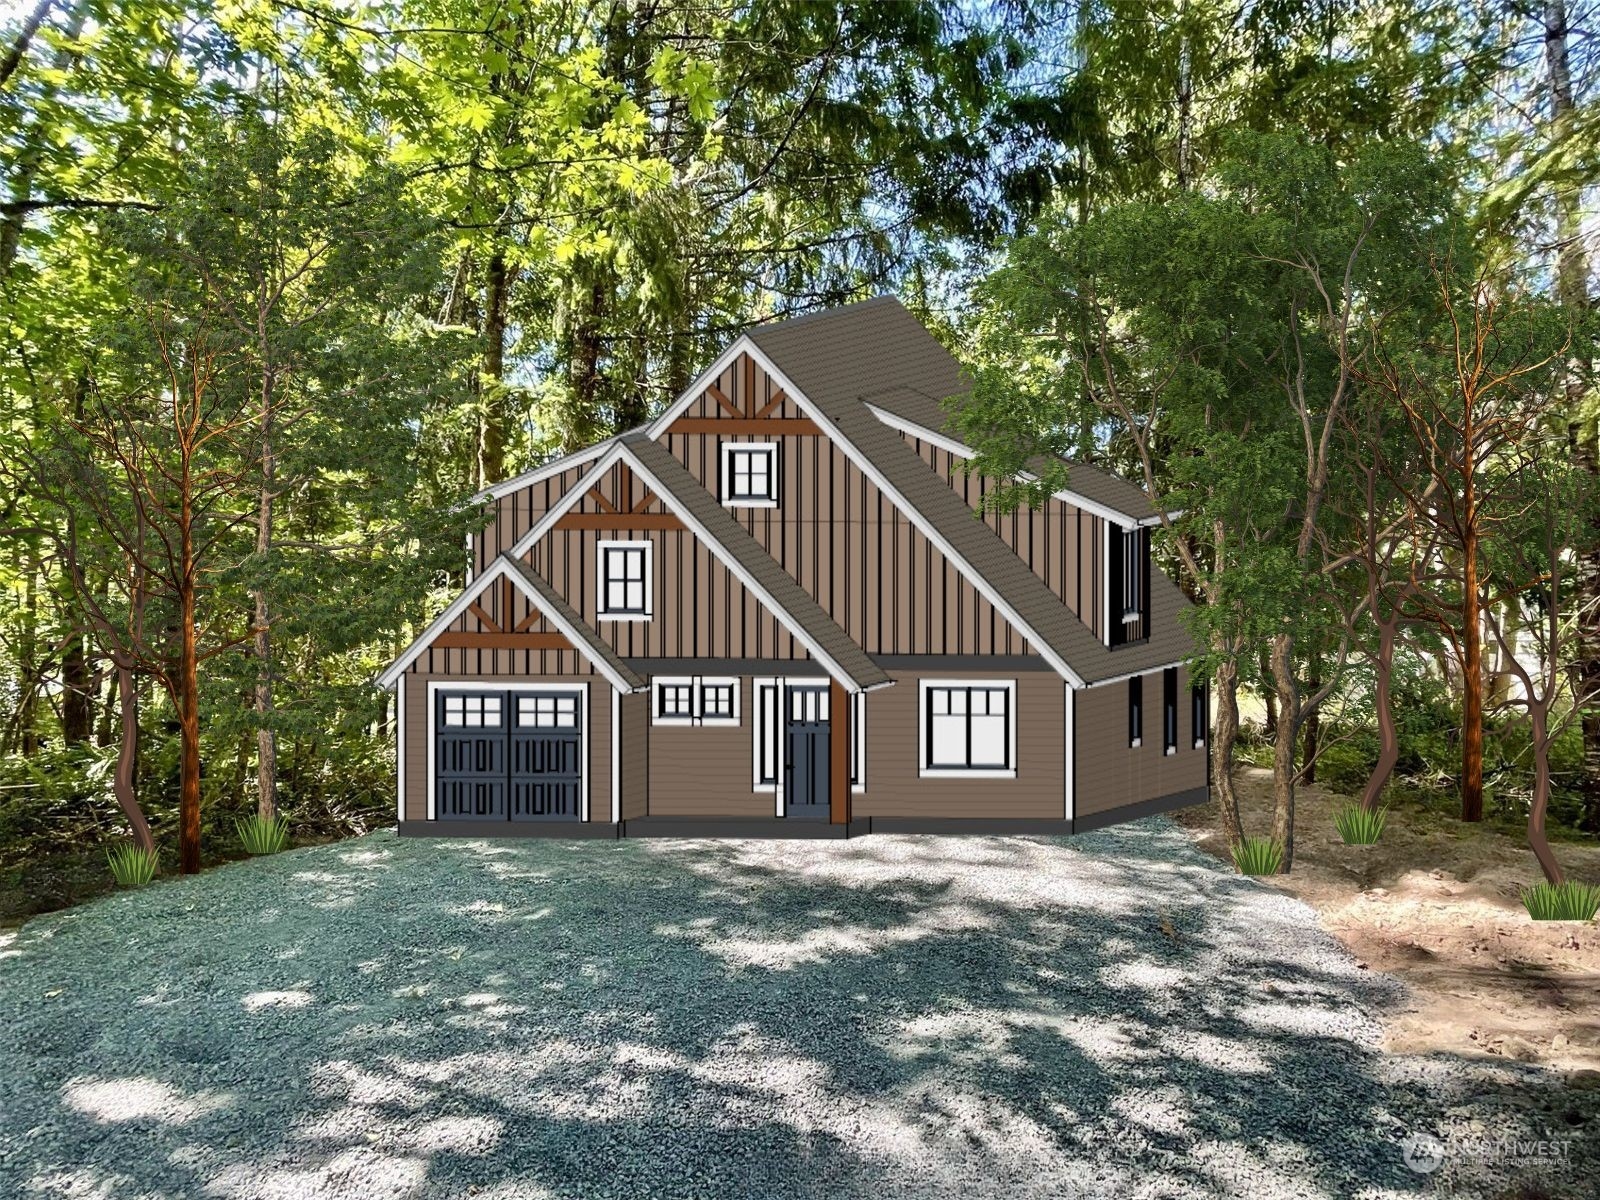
{"x":750,"y":474}
{"x":1132,"y":575}
{"x":969,"y":729}
{"x":625,"y":581}
{"x":696,"y":701}
{"x":1199,"y":715}
{"x":1127,"y":585}
{"x":1136,"y":711}
{"x":1169,"y":711}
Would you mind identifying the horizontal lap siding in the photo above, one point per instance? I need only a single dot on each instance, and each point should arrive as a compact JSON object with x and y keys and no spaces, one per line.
{"x":895,"y":789}
{"x":705,"y":770}
{"x":1112,"y":774}
{"x":597,"y":769}
{"x":634,"y":757}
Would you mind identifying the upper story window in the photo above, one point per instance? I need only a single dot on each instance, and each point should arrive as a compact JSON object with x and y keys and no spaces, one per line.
{"x":625,"y":581}
{"x":1132,"y":606}
{"x":750,"y":474}
{"x":969,"y":728}
{"x":1128,"y":585}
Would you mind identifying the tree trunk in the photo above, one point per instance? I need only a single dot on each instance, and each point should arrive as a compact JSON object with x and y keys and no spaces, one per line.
{"x":77,"y":693}
{"x":188,"y":697}
{"x":1537,"y":841}
{"x":1268,"y":699}
{"x":1224,"y":733}
{"x":1283,"y":746}
{"x":266,"y":736}
{"x":1388,"y":737}
{"x":496,"y":415}
{"x":1310,"y":741}
{"x":1471,"y":685}
{"x":125,"y":783}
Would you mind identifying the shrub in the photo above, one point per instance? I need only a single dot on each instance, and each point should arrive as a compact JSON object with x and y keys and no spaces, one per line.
{"x":1567,"y":901}
{"x":1359,"y":826}
{"x":263,"y":836}
{"x":1257,"y":856}
{"x":131,"y":866}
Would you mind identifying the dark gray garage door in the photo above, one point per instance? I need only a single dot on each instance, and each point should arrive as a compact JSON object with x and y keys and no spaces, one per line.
{"x":508,"y":755}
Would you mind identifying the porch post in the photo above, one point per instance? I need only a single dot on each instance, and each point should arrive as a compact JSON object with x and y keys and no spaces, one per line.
{"x":838,"y":754}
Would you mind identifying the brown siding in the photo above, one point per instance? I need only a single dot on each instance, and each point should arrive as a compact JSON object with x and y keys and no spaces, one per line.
{"x":598,"y":767}
{"x":895,"y":789}
{"x":1112,"y":774}
{"x":634,"y":759}
{"x":704,"y":770}
{"x":513,"y":514}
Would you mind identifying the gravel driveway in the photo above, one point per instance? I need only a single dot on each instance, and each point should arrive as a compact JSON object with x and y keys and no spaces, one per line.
{"x":1111,"y":1015}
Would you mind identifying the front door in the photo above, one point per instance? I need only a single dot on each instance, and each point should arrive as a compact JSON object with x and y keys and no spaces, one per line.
{"x":508,"y":755}
{"x":805,"y":754}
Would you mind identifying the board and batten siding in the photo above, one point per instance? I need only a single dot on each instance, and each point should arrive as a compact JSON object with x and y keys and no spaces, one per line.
{"x":513,"y":514}
{"x":837,"y":535}
{"x":597,"y":765}
{"x":1061,"y":543}
{"x":1111,"y":773}
{"x":700,"y":609}
{"x":895,"y":788}
{"x":508,"y":607}
{"x":704,"y":770}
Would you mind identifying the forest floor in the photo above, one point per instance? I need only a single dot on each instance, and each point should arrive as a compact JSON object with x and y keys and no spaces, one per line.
{"x":1436,"y":903}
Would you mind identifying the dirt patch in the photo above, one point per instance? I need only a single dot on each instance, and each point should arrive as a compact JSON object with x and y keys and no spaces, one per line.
{"x":1436,"y":903}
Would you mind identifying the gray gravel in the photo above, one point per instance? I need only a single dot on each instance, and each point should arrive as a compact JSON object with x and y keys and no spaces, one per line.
{"x":888,"y":1017}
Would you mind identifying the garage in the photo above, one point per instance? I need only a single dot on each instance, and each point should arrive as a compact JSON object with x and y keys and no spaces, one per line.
{"x":503,"y":754}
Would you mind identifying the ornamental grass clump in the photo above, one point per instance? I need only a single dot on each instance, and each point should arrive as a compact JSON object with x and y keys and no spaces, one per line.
{"x":1257,"y":856}
{"x":131,"y":866}
{"x":1567,"y":901}
{"x":1360,"y":826}
{"x":264,"y":835}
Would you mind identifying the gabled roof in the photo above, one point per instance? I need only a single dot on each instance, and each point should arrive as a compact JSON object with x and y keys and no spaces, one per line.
{"x":878,"y":352}
{"x":835,"y":649}
{"x":545,"y":598}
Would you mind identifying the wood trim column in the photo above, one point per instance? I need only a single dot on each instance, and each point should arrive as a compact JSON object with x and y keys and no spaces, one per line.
{"x":838,"y":754}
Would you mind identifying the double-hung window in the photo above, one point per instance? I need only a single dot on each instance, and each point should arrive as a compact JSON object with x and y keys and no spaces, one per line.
{"x":750,"y":474}
{"x":625,"y":581}
{"x":969,"y":728}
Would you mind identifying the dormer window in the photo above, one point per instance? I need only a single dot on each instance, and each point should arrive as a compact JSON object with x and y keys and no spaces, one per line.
{"x":750,"y":474}
{"x":1128,"y":587}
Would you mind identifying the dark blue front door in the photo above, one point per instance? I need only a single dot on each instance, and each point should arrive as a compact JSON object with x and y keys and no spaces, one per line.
{"x":805,"y":754}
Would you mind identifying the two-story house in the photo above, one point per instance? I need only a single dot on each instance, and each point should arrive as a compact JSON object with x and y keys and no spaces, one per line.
{"x":780,"y":609}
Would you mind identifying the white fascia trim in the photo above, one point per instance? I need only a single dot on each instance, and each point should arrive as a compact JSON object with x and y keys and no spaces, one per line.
{"x":554,"y":467}
{"x":689,"y":395}
{"x":496,"y":570}
{"x":1131,"y":674}
{"x":621,"y":453}
{"x":1066,"y":495}
{"x":914,"y":515}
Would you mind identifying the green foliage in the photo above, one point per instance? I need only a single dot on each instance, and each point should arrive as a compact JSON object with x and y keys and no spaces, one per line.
{"x":1359,"y":826}
{"x":131,"y":866}
{"x":262,"y":835}
{"x":1567,"y":901}
{"x":1257,"y":856}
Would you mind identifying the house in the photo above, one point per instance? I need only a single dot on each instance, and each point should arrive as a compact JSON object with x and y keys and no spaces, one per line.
{"x":777,"y":609}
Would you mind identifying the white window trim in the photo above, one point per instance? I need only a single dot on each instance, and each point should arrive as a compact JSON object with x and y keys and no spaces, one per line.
{"x":724,"y":479}
{"x":494,"y":685}
{"x":926,"y":772}
{"x":858,"y":740}
{"x":696,"y":685}
{"x":649,"y":548}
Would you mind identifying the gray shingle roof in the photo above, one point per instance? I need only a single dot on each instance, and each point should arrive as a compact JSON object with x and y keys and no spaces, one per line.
{"x":839,"y":360}
{"x":689,"y":495}
{"x":554,"y":603}
{"x":878,"y":352}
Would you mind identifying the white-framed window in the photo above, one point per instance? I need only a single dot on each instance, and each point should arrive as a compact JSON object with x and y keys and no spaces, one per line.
{"x":1169,"y":711}
{"x":1132,"y":576}
{"x":968,"y":728}
{"x":472,"y":712}
{"x":750,"y":474}
{"x":696,"y":700}
{"x":546,"y":711}
{"x":624,"y":575}
{"x":1135,"y":712}
{"x":1199,"y":715}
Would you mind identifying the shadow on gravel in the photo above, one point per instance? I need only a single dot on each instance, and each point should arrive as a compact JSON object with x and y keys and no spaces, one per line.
{"x":879,"y":1018}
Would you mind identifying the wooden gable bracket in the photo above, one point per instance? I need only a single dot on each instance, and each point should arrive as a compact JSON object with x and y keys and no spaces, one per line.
{"x":614,"y":516}
{"x":494,"y":636}
{"x":749,"y":420}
